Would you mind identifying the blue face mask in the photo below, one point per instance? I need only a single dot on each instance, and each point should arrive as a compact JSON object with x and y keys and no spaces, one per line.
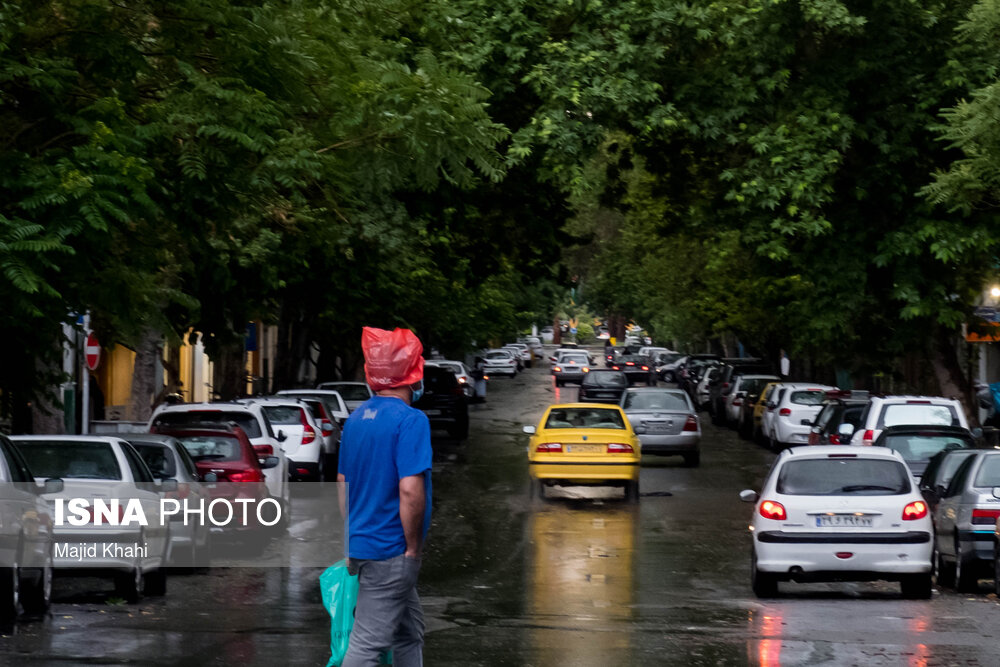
{"x":418,"y":391}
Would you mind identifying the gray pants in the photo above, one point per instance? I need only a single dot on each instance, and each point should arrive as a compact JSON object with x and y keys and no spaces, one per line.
{"x":388,"y":615}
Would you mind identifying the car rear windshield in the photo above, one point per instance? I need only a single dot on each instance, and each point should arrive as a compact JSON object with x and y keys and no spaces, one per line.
{"x":836,"y":477}
{"x":989,"y":473}
{"x":283,"y":415}
{"x":606,"y":379}
{"x":754,"y":385}
{"x":71,"y":460}
{"x":158,"y":458}
{"x":585,"y":418}
{"x":349,"y":392}
{"x":497,"y":355}
{"x":903,"y":414}
{"x":808,"y":397}
{"x":655,"y":400}
{"x":575,"y":358}
{"x":221,"y":447}
{"x":244,"y":420}
{"x":915,"y":447}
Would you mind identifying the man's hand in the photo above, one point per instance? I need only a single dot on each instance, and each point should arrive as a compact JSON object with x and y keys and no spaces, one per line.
{"x":412,"y":503}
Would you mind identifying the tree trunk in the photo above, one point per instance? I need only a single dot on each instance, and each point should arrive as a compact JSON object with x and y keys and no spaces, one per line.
{"x":229,"y":379}
{"x":952,"y":381}
{"x":144,"y":390}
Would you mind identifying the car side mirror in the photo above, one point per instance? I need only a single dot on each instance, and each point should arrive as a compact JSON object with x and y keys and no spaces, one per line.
{"x":807,"y":422}
{"x":996,"y":491}
{"x":749,"y":496}
{"x":281,"y":437}
{"x":327,"y":429}
{"x":53,"y":485}
{"x":268,"y":462}
{"x":846,"y":430}
{"x":741,"y":394}
{"x":210,"y":477}
{"x":939,"y":490}
{"x":167,"y":485}
{"x":530,"y":430}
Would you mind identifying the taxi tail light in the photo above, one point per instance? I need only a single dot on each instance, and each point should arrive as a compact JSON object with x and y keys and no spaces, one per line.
{"x":308,"y":432}
{"x":785,"y":412}
{"x":691,"y":424}
{"x":246,"y":476}
{"x":549,"y":447}
{"x":915,"y":510}
{"x":620,"y":448}
{"x":988,"y":517}
{"x":867,"y":438}
{"x":772,"y":510}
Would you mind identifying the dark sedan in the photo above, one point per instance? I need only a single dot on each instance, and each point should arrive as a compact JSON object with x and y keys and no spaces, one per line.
{"x":917,"y":444}
{"x":603,"y":385}
{"x":636,"y":368}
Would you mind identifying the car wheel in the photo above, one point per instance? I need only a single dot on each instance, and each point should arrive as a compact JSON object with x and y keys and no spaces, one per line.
{"x":632,"y":492}
{"x":764,"y":584}
{"x":944,"y":572}
{"x":536,"y":490}
{"x":36,"y":596}
{"x":130,"y":584}
{"x":156,"y":582}
{"x":10,"y":589}
{"x":692,"y":460}
{"x":916,"y":586}
{"x":965,"y":575}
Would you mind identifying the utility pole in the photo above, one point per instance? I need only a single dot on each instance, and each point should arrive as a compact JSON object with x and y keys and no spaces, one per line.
{"x":85,"y":381}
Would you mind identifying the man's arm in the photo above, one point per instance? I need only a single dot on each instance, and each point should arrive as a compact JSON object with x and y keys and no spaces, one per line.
{"x":412,"y":504}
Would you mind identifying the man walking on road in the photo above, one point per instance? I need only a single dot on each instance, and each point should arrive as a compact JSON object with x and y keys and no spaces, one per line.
{"x":385,"y":458}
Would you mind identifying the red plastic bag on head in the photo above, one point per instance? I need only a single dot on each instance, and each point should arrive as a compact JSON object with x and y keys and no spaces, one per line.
{"x":392,"y":358}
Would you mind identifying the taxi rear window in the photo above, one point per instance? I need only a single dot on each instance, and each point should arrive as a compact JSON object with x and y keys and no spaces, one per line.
{"x":585,"y":418}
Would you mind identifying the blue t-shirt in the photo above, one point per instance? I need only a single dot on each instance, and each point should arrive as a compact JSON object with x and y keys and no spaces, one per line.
{"x":384,"y":440}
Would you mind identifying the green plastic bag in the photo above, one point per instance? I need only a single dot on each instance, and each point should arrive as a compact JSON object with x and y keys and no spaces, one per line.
{"x":340,"y":594}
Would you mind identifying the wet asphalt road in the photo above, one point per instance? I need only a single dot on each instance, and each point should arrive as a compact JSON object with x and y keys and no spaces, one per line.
{"x":573,"y":580}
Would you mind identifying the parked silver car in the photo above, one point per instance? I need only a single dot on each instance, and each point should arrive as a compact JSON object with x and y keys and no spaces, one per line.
{"x":665,"y":421}
{"x":353,"y":393}
{"x":965,"y":522}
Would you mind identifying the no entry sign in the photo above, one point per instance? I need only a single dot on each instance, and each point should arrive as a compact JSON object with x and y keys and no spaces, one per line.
{"x":92,"y":351}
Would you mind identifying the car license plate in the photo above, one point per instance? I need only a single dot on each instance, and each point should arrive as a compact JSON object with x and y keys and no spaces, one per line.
{"x":432,"y":413}
{"x":584,"y":449}
{"x":843,"y":521}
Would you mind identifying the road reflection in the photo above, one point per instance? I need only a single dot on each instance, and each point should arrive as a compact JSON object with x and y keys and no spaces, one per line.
{"x":581,"y":583}
{"x":767,"y":625}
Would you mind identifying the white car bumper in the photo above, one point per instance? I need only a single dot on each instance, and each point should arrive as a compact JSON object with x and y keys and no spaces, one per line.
{"x":887,"y":553}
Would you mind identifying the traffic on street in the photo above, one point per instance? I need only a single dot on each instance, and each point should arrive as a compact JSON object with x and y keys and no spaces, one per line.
{"x":653,"y":565}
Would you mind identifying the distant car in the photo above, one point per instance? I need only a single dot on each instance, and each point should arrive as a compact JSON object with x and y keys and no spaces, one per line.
{"x":839,"y":408}
{"x":301,"y":436}
{"x":759,"y":408}
{"x":523,"y":351}
{"x":26,"y":536}
{"x":353,"y":393}
{"x":571,"y":368}
{"x":885,"y":411}
{"x":445,"y":402}
{"x":746,"y":388}
{"x":791,"y":412}
{"x":167,"y":458}
{"x":584,"y":444}
{"x":667,"y":364}
{"x":965,"y":519}
{"x":499,"y":362}
{"x":461,"y":373}
{"x":917,"y":444}
{"x":602,"y":385}
{"x":721,"y":386}
{"x":636,"y":369}
{"x":611,"y":354}
{"x":840,"y":513}
{"x":534,"y":344}
{"x":666,"y":422}
{"x":250,"y":418}
{"x":104,"y":468}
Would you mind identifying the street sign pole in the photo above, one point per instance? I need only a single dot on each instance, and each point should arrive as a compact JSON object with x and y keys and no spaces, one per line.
{"x":85,"y":381}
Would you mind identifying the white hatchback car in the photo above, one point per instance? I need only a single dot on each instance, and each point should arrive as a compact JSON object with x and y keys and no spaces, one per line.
{"x":465,"y":380}
{"x":790,"y":411}
{"x":300,"y":435}
{"x":840,"y":513}
{"x":885,"y":411}
{"x":499,"y":362}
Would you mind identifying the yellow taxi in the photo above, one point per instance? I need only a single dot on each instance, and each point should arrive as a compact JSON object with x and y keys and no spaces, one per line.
{"x":584,"y":444}
{"x":760,"y":407}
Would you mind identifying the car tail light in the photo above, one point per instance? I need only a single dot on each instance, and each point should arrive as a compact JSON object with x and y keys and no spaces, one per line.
{"x":918,"y":402}
{"x":630,"y":363}
{"x":867,"y":438}
{"x":247,"y":476}
{"x":264,"y":450}
{"x":557,"y":369}
{"x":461,"y":380}
{"x":458,"y":391}
{"x":302,"y":471}
{"x":549,"y":447}
{"x":737,"y":401}
{"x":308,"y":432}
{"x":725,"y":385}
{"x":988,"y":517}
{"x":834,"y":439}
{"x":772,"y":510}
{"x":645,"y":368}
{"x":326,"y":426}
{"x":486,"y":377}
{"x":691,"y":424}
{"x":586,"y":370}
{"x":785,"y":412}
{"x":915,"y":510}
{"x":844,"y":555}
{"x":616,"y":368}
{"x":620,"y":448}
